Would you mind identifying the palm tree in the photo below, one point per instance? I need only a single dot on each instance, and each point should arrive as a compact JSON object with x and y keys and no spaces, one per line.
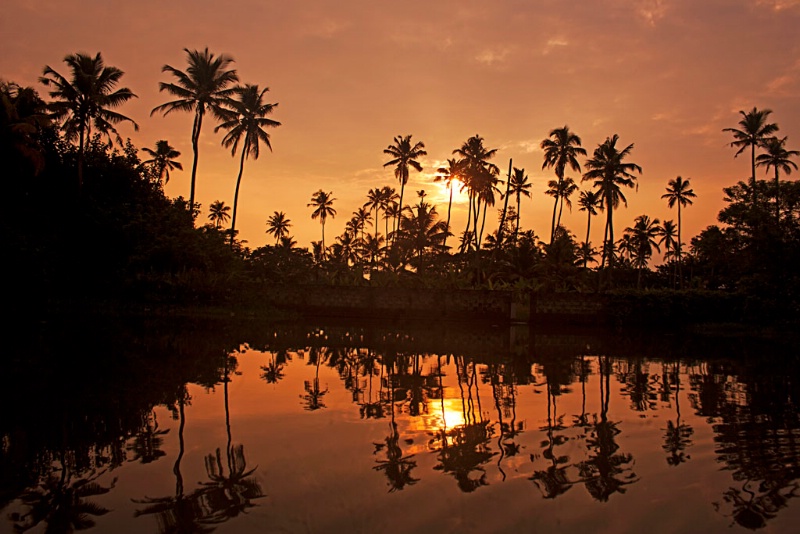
{"x":452,"y":173}
{"x":778,"y":158}
{"x":589,"y":201}
{"x":22,"y":114}
{"x":203,"y":87}
{"x":245,"y":119}
{"x":278,"y":226}
{"x":479,"y":178}
{"x":389,"y":198}
{"x":669,"y":238}
{"x":404,"y":155}
{"x":163,"y":159}
{"x":644,"y":234}
{"x":219,"y":213}
{"x":374,"y":202}
{"x":754,"y":131}
{"x":561,"y":149}
{"x":519,"y":186}
{"x":87,"y":100}
{"x":561,"y":191}
{"x":679,"y":192}
{"x":609,"y":172}
{"x":361,"y":217}
{"x":323,"y":204}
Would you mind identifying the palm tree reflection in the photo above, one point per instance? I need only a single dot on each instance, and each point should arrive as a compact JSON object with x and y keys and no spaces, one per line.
{"x":554,"y":480}
{"x":677,"y":435}
{"x":314,"y":395}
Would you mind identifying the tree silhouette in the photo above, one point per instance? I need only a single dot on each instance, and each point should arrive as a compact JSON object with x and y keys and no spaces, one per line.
{"x":779,"y":159}
{"x":754,"y":131}
{"x":87,"y":100}
{"x":163,"y":160}
{"x":278,"y":226}
{"x":322,"y":203}
{"x":203,"y":87}
{"x":219,"y":213}
{"x":404,"y":155}
{"x":561,"y":150}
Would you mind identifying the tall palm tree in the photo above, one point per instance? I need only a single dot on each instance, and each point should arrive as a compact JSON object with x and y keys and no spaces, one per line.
{"x":323,"y":204}
{"x":86,"y":100}
{"x":374,"y":202}
{"x":610,"y":173}
{"x":404,"y":155}
{"x":754,"y":131}
{"x":163,"y":159}
{"x":669,"y":238}
{"x":361,"y":218}
{"x":479,"y":178}
{"x":389,"y":198}
{"x":452,"y":173}
{"x":679,"y":192}
{"x":519,"y":187}
{"x":219,"y":213}
{"x":778,"y":158}
{"x":561,"y":149}
{"x":204,"y":86}
{"x":245,"y":119}
{"x":278,"y":226}
{"x":589,"y":202}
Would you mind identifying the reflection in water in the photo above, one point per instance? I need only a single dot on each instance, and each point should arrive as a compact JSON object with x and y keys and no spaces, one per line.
{"x":434,"y":406}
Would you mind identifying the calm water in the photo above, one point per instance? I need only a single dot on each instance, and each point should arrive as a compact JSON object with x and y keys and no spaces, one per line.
{"x":200,"y":426}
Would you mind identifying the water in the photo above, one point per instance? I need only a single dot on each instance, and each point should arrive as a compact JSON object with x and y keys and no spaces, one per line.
{"x":204,"y":425}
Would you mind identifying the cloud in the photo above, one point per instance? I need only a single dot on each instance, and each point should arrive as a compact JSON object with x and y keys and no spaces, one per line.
{"x":779,"y":5}
{"x":553,"y":43}
{"x":493,"y":57}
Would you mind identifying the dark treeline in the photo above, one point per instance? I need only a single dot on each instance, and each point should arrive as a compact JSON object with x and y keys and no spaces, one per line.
{"x":89,"y":218}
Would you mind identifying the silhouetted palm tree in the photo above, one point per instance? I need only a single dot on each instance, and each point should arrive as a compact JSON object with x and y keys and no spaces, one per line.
{"x":452,"y":173}
{"x":644,"y":234}
{"x":754,"y":131}
{"x":561,"y":191}
{"x":609,"y":172}
{"x":245,"y":119}
{"x":778,"y":158}
{"x":374,"y":202}
{"x":404,"y":155}
{"x":679,"y":192}
{"x":519,"y":186}
{"x":204,"y":86}
{"x":22,"y":114}
{"x":561,"y":149}
{"x":219,"y":213}
{"x":589,"y":202}
{"x":87,"y":100}
{"x":323,"y":204}
{"x":480,"y":177}
{"x":278,"y":226}
{"x":163,"y":159}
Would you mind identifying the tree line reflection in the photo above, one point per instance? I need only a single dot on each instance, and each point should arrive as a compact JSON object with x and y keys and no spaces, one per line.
{"x":92,"y":414}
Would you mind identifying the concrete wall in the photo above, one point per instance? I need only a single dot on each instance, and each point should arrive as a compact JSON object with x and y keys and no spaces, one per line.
{"x":395,"y":303}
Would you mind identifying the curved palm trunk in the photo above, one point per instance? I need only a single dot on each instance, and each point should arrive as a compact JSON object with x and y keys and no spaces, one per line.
{"x":610,"y":228}
{"x":198,"y":123}
{"x":236,"y":194}
{"x":560,"y":210}
{"x":516,"y":230}
{"x":483,"y":221}
{"x":399,"y":211}
{"x":553,"y":223}
{"x":469,"y":214}
{"x":477,"y":213}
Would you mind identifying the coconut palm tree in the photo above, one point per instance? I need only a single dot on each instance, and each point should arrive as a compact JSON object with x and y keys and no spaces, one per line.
{"x":778,"y":158}
{"x":452,"y":173}
{"x":204,"y":86}
{"x":163,"y":159}
{"x":389,"y":198}
{"x":421,"y":231}
{"x":754,"y":131}
{"x":361,"y":218}
{"x":322,"y":203}
{"x":245,"y":118}
{"x":86,"y":100}
{"x":679,"y":192}
{"x":610,"y":173}
{"x":374,"y":202}
{"x":479,"y":178}
{"x":590,"y":202}
{"x":561,"y":191}
{"x":219,"y":213}
{"x":278,"y":226}
{"x":404,"y":155}
{"x":644,"y":235}
{"x":561,"y":149}
{"x":519,"y":186}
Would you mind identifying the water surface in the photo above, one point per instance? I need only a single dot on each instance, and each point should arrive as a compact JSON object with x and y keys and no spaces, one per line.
{"x":202,"y":425}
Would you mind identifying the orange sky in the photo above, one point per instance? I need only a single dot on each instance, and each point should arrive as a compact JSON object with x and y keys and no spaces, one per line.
{"x":666,"y":75}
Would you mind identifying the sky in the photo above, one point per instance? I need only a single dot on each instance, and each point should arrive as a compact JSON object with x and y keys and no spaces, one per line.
{"x":350,"y":75}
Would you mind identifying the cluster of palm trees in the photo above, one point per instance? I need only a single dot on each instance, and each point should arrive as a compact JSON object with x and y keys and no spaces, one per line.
{"x":85,"y":101}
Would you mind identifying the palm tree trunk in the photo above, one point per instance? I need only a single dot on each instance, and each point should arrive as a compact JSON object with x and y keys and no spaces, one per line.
{"x":553,"y":224}
{"x":560,"y":210}
{"x":322,"y":220}
{"x":449,"y":206}
{"x":516,"y":230}
{"x":483,"y":220}
{"x":399,"y":211}
{"x":81,"y":149}
{"x":777,"y":198}
{"x":505,"y":208}
{"x":198,"y":123}
{"x":245,"y":150}
{"x":753,"y":171}
{"x":588,"y":227}
{"x":680,"y":253}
